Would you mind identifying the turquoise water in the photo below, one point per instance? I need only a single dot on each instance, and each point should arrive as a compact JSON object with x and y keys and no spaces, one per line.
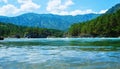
{"x":60,"y":53}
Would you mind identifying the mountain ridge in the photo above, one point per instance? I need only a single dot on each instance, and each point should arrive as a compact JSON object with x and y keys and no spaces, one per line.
{"x":47,"y":20}
{"x":114,"y":9}
{"x":106,"y":25}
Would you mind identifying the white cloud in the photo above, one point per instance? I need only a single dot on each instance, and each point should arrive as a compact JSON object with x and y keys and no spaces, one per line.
{"x":8,"y":9}
{"x":28,"y":5}
{"x":80,"y":12}
{"x":76,"y":12}
{"x":25,"y":6}
{"x":24,"y":1}
{"x":102,"y":11}
{"x":5,"y":1}
{"x":56,"y":6}
{"x":59,"y":7}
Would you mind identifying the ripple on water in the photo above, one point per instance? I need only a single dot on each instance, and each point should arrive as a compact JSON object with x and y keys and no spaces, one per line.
{"x":40,"y":54}
{"x":64,"y":57}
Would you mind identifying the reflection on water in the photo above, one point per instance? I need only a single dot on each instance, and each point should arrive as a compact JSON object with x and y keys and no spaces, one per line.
{"x":60,"y":53}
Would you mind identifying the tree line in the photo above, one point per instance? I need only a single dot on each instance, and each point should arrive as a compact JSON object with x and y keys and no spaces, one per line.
{"x":106,"y":25}
{"x":11,"y":30}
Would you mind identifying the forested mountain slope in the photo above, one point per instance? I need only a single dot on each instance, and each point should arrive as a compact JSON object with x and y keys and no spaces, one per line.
{"x":47,"y":20}
{"x":107,"y":25}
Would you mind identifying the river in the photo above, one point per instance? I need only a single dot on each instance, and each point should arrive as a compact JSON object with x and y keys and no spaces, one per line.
{"x":60,"y":53}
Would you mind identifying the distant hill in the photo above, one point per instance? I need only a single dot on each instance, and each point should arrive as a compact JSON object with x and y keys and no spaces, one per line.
{"x":47,"y":20}
{"x":11,"y":30}
{"x":114,"y":8}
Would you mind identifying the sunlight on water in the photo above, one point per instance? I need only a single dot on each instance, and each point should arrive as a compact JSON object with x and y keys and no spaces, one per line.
{"x":60,"y":53}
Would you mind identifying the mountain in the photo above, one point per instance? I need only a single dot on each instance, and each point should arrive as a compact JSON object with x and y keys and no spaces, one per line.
{"x":114,"y":8}
{"x":106,"y":25}
{"x":47,"y":20}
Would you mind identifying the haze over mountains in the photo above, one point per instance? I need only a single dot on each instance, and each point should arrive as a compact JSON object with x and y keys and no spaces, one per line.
{"x":47,"y":20}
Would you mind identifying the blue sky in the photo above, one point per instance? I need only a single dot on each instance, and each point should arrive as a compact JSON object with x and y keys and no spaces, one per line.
{"x":60,"y":7}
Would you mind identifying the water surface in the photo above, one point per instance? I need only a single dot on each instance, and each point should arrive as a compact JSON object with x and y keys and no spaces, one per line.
{"x":60,"y":53}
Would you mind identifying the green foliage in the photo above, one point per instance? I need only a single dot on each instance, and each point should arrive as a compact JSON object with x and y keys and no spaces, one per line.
{"x":114,"y":9}
{"x":10,"y":30}
{"x":49,"y":21}
{"x":106,"y":25}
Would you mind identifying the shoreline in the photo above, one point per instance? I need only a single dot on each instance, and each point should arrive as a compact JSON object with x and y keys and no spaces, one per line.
{"x":70,"y":38}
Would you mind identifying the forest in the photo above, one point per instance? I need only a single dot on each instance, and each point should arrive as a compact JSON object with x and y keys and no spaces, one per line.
{"x":106,"y":25}
{"x":11,"y":30}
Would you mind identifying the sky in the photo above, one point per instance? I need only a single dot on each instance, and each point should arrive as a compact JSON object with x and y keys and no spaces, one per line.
{"x":59,"y":7}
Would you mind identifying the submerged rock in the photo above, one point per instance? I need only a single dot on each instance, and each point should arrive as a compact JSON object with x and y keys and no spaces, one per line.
{"x":17,"y":36}
{"x":1,"y":38}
